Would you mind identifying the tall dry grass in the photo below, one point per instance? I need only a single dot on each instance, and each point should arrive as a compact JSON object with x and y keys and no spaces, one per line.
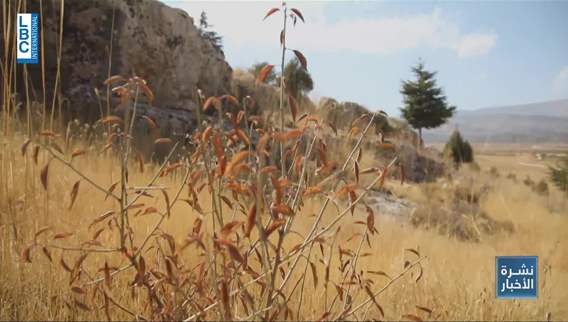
{"x":457,"y":283}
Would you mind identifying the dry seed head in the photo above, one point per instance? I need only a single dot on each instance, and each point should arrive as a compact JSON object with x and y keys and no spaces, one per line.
{"x":77,"y":152}
{"x":43,"y":176}
{"x":114,"y":79}
{"x":25,"y":146}
{"x":251,"y":218}
{"x":163,"y":141}
{"x":74,"y":192}
{"x":151,"y":123}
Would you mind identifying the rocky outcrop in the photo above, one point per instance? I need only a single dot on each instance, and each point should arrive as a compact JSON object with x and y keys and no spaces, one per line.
{"x":341,"y":115}
{"x":385,"y":203}
{"x":161,"y":44}
{"x":419,"y":164}
{"x":172,"y":123}
{"x":266,"y":97}
{"x":149,"y":39}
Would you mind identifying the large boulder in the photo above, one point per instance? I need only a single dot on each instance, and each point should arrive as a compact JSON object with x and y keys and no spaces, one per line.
{"x":149,"y":39}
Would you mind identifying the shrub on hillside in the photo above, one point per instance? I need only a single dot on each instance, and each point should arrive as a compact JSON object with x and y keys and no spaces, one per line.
{"x":528,"y":182}
{"x":559,"y":175}
{"x":455,"y":211}
{"x":458,"y":149}
{"x":494,"y":171}
{"x":541,"y":188}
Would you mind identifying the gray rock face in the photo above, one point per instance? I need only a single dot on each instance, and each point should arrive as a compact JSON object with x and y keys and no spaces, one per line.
{"x":150,"y":40}
{"x":387,"y":204}
{"x":420,"y":165}
{"x":170,"y":123}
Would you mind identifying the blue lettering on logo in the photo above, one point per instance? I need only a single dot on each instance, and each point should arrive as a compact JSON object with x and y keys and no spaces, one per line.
{"x":21,"y":20}
{"x":27,"y":38}
{"x":516,"y":277}
{"x":24,"y":47}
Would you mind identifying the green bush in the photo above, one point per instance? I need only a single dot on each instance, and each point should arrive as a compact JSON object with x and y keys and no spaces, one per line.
{"x":494,"y":172}
{"x":559,"y":174}
{"x":529,"y":182}
{"x":458,"y":149}
{"x":541,"y":188}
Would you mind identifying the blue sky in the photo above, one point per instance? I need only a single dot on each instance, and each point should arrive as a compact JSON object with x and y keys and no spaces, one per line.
{"x":485,"y":53}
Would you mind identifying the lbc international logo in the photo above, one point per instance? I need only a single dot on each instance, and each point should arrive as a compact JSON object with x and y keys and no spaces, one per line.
{"x":27,"y":38}
{"x":516,"y":277}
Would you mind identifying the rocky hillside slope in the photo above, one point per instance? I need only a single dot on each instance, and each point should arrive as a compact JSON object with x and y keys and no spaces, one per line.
{"x":149,"y":39}
{"x":163,"y":46}
{"x":420,"y":164}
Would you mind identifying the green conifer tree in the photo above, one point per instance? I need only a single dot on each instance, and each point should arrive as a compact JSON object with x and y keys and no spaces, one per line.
{"x":425,"y":105}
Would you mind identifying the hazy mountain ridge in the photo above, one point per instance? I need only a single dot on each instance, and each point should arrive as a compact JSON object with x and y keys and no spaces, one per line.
{"x":527,"y":123}
{"x":548,"y":108}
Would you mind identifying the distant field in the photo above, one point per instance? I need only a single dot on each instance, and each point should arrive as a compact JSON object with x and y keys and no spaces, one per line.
{"x":520,"y":159}
{"x":520,"y":148}
{"x":513,"y":148}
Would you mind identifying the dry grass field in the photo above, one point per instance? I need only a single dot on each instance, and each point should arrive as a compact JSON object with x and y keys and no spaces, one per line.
{"x":247,"y":217}
{"x":457,"y":281}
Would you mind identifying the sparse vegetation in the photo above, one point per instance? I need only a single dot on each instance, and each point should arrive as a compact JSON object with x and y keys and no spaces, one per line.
{"x":529,"y":182}
{"x":456,"y":212}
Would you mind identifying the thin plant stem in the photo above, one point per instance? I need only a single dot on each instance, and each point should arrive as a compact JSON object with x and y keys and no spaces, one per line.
{"x":59,"y":55}
{"x":283,"y":58}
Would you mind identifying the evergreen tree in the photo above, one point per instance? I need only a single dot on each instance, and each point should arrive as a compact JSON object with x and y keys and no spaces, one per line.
{"x":212,"y":36}
{"x":203,"y":24}
{"x":458,"y":149}
{"x":425,"y":105}
{"x":298,"y":79}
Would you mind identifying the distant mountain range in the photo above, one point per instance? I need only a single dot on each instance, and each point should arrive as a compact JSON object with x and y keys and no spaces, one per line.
{"x":545,"y":122}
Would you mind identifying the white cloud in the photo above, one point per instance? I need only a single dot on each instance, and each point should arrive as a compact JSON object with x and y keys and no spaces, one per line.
{"x":241,"y":24}
{"x":475,"y":44}
{"x":560,"y":83}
